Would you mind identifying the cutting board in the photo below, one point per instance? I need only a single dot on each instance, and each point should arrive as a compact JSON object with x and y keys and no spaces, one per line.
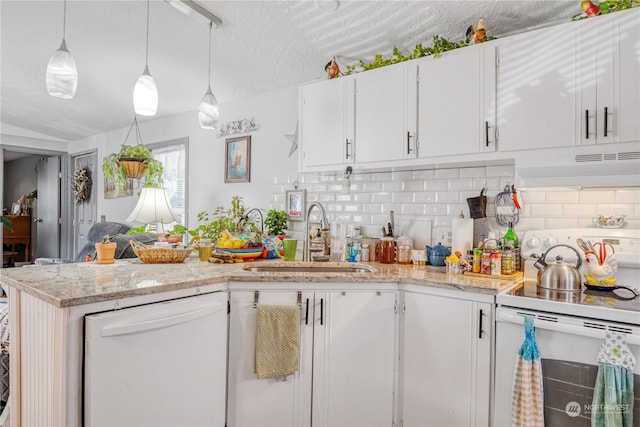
{"x":419,"y":229}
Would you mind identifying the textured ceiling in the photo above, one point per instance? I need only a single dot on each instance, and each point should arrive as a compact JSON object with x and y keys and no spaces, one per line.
{"x":261,"y":45}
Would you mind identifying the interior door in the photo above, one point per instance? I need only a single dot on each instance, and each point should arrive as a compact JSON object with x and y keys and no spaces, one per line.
{"x":84,"y":214}
{"x":47,"y":208}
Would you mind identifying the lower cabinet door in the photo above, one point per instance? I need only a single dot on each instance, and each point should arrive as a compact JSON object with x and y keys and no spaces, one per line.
{"x":446,"y":361}
{"x":266,"y":402}
{"x":354,"y":359}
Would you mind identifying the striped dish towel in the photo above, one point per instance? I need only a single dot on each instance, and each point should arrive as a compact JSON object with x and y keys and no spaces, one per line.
{"x":527,"y":402}
{"x":277,"y":350}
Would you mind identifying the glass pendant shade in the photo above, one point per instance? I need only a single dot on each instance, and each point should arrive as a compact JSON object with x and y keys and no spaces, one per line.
{"x":62,"y":74}
{"x":208,"y":113}
{"x":145,"y":95}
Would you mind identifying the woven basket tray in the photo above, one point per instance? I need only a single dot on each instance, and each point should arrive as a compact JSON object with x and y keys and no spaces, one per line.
{"x":160,"y":255}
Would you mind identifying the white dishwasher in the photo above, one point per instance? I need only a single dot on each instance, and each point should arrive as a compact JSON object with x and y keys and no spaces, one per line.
{"x":157,"y":364}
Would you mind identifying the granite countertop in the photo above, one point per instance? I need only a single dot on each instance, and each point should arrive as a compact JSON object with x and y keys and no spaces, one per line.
{"x":66,"y":285}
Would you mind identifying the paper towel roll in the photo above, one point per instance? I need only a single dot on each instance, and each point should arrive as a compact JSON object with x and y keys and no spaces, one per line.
{"x":462,"y":235}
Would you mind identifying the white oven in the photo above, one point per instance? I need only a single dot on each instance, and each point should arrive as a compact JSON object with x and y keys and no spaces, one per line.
{"x":569,"y":329}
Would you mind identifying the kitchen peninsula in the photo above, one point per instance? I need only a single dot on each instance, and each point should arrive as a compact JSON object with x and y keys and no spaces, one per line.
{"x":49,"y":305}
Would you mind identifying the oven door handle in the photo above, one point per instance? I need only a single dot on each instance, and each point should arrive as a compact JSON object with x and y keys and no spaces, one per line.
{"x":505,"y":316}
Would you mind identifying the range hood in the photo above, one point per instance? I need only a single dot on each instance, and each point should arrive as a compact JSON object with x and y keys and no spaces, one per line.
{"x":604,"y":169}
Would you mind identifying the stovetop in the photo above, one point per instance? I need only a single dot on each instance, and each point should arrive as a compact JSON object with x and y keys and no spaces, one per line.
{"x":619,"y":305}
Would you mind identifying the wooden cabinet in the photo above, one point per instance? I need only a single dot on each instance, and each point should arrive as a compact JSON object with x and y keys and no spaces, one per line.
{"x":456,"y":102}
{"x":347,"y":355}
{"x":446,"y":361}
{"x":610,"y":79}
{"x":18,"y":240}
{"x":385,"y":115}
{"x":327,"y":123}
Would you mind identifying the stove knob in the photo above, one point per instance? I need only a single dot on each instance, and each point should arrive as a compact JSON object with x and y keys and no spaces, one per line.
{"x":548,"y":242}
{"x":532,"y":242}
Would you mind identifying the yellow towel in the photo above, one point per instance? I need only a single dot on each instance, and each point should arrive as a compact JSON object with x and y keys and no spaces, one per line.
{"x":277,"y":340}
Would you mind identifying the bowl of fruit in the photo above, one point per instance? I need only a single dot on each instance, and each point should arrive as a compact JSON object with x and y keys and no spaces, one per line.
{"x":241,"y":246}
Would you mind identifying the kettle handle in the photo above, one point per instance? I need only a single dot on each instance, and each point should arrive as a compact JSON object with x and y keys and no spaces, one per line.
{"x":578,"y":263}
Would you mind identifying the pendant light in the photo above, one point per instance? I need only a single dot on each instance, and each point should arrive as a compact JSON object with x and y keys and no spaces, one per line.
{"x":208,"y":113}
{"x":145,"y":93}
{"x":62,"y":74}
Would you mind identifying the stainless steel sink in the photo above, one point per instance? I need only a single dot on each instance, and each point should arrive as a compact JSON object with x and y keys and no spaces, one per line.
{"x":310,"y":267}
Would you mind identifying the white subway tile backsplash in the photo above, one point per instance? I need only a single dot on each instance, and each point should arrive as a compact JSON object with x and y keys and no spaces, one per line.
{"x":417,"y":185}
{"x":402,"y":197}
{"x":424,"y":197}
{"x":392,"y":186}
{"x":440,"y":195}
{"x":597,"y":196}
{"x":507,"y":170}
{"x":412,"y":209}
{"x":627,"y":196}
{"x":582,"y":210}
{"x":472,"y":172}
{"x":460,"y":184}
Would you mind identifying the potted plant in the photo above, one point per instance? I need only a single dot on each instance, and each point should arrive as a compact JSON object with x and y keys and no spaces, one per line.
{"x":134,"y":162}
{"x":233,"y":220}
{"x":105,"y":251}
{"x":276,"y":222}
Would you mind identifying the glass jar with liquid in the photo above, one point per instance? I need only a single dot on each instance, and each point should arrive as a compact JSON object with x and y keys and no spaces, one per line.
{"x":205,"y":248}
{"x":387,"y":250}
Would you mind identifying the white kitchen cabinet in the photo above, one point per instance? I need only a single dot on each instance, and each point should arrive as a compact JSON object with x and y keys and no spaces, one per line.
{"x":446,"y":361}
{"x":327,"y":123}
{"x":456,"y":99}
{"x":385,"y":114}
{"x":347,"y":362}
{"x":610,"y":79}
{"x":537,"y":89}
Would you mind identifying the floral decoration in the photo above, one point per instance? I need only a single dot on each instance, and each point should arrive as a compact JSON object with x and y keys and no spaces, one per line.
{"x":238,"y":126}
{"x":81,"y":185}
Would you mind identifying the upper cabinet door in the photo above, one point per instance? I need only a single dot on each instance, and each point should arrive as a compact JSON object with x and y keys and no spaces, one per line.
{"x":385,"y":129}
{"x":610,"y":79}
{"x":453,"y":116}
{"x":537,"y":93}
{"x":325,"y":134}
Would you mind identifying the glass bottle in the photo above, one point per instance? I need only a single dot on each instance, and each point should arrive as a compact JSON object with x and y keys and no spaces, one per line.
{"x":511,"y":238}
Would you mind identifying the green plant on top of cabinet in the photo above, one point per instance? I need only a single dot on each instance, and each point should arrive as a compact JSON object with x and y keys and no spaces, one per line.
{"x":385,"y":116}
{"x":347,"y":361}
{"x":456,"y":99}
{"x":326,"y":129}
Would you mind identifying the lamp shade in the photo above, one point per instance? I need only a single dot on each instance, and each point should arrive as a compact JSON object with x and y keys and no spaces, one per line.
{"x":208,"y":113}
{"x":153,"y":206}
{"x":145,"y":95}
{"x":62,"y":74}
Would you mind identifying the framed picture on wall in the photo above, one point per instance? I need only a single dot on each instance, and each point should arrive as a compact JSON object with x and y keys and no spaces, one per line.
{"x":296,"y":200}
{"x":237,"y":159}
{"x":16,"y":209}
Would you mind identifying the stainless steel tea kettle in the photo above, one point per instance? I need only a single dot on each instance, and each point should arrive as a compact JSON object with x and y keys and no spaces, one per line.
{"x":559,"y":275}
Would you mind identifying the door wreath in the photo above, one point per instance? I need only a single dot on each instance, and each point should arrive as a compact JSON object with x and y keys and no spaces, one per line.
{"x":81,"y":185}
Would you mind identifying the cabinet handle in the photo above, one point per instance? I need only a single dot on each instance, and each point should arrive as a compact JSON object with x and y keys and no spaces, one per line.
{"x":606,"y":117}
{"x":586,"y":120}
{"x":486,"y":133}
{"x":321,"y":311}
{"x":306,"y":313}
{"x":347,"y":149}
{"x":409,"y":150}
{"x":480,"y":325}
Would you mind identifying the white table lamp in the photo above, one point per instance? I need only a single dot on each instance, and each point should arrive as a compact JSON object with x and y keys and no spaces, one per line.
{"x":153,"y":207}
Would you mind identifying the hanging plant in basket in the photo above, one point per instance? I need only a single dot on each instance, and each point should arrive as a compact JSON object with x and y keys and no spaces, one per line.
{"x":133,"y":162}
{"x":81,"y":185}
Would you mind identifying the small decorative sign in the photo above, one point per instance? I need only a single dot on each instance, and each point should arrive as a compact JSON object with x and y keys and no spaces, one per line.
{"x":238,"y":127}
{"x":296,"y":201}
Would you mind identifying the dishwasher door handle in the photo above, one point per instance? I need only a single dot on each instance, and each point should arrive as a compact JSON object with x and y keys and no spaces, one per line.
{"x":163,"y":322}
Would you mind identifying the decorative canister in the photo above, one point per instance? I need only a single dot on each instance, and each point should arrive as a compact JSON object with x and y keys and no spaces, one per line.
{"x":386,"y":253}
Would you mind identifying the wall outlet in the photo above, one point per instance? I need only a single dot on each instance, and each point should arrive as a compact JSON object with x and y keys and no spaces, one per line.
{"x":103,"y":218}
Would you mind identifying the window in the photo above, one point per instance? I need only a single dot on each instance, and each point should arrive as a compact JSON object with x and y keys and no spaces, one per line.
{"x":173,"y":156}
